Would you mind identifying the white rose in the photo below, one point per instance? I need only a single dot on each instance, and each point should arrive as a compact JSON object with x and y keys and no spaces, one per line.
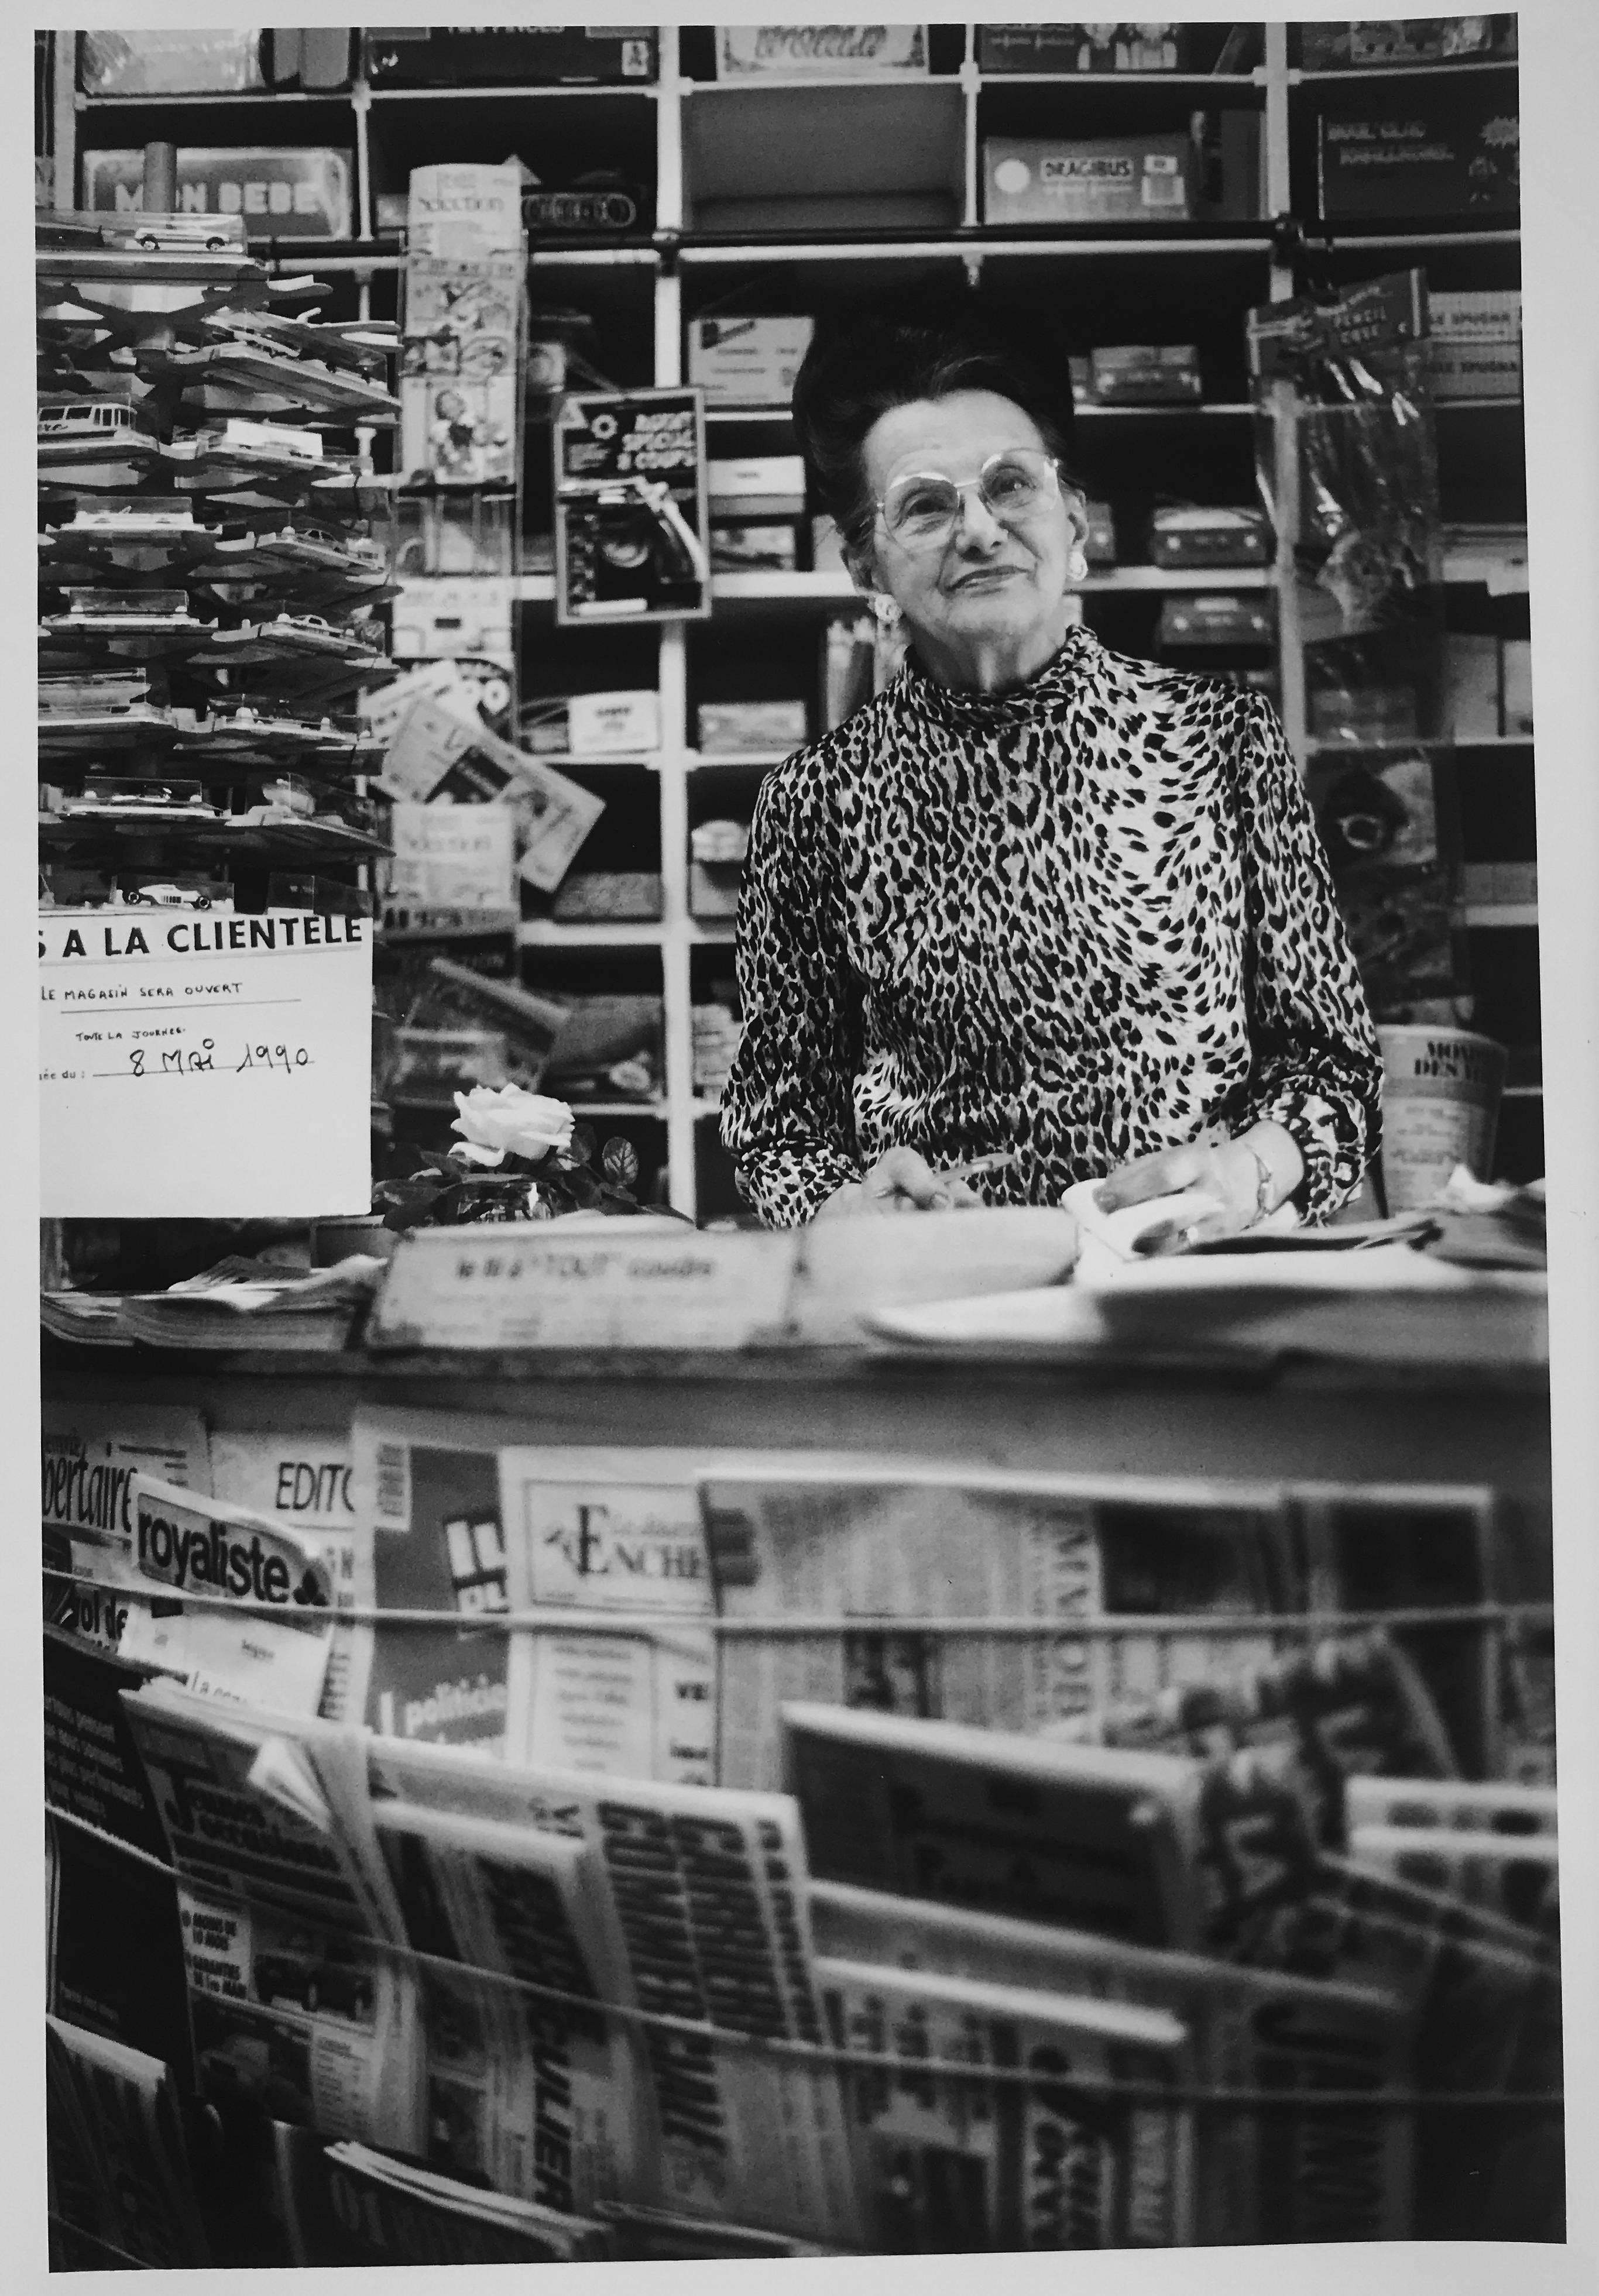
{"x":495,"y":1121}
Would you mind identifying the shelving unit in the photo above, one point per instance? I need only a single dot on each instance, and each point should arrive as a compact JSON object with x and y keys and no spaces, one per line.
{"x":902,"y":164}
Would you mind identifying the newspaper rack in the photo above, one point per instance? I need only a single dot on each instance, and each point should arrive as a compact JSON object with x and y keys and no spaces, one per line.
{"x":1530,"y":2108}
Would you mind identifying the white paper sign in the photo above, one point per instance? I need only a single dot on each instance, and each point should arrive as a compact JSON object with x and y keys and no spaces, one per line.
{"x":204,"y":1065}
{"x":600,"y":1286}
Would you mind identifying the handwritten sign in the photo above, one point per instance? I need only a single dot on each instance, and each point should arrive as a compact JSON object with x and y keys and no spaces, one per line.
{"x":611,"y":1283}
{"x":201,"y":1065}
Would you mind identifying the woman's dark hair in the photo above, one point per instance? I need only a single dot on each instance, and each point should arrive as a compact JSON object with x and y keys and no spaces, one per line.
{"x":856,"y":371}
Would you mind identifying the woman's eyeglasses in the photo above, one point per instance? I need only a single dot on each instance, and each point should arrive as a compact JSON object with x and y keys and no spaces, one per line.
{"x":922,"y":509}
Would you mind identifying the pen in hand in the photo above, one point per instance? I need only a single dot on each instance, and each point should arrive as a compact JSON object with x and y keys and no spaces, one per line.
{"x":998,"y":1160}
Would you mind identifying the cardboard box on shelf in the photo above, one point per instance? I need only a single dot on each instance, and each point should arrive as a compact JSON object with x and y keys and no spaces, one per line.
{"x":1195,"y":535}
{"x":757,"y":487}
{"x":1471,"y":687}
{"x":713,"y":889}
{"x":1103,"y":179}
{"x":748,"y":547}
{"x":592,"y":725}
{"x":282,"y":191}
{"x":520,"y":55}
{"x":747,"y":362}
{"x":1363,"y":714}
{"x":1358,"y":46}
{"x":1152,"y":47}
{"x":1099,"y":544}
{"x":751,"y":726}
{"x":1475,"y":346}
{"x":433,"y":618}
{"x":1444,"y":149}
{"x":609,"y":896}
{"x":1214,"y":618}
{"x":766,"y":52}
{"x":1143,"y":374}
{"x":1516,"y":686}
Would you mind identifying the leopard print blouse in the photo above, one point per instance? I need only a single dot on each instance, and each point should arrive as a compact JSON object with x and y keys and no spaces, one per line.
{"x":1083,"y":919}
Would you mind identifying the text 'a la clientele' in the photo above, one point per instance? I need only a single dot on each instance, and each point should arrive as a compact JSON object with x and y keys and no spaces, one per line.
{"x":204,"y":936}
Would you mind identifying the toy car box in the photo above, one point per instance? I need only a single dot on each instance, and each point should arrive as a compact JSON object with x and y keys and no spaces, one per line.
{"x":1190,"y":535}
{"x":282,"y":191}
{"x":1048,"y":179}
{"x":1393,"y":41}
{"x":746,"y":362}
{"x":522,"y":55}
{"x":197,"y":62}
{"x":1151,"y":47}
{"x":1143,"y":374}
{"x":1474,"y":350}
{"x":1442,"y":150}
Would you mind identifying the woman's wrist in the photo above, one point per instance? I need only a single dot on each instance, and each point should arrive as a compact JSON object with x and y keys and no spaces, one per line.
{"x":1279,"y":1165}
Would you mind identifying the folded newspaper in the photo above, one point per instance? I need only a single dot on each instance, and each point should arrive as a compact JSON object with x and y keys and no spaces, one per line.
{"x":242,"y":1303}
{"x":707,"y":1893}
{"x":1298,"y":2170}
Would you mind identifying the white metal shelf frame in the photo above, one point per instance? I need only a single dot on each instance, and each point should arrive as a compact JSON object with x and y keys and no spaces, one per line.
{"x":677,"y":250}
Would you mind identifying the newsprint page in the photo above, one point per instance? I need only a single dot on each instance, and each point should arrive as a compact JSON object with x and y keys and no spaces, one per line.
{"x":810,"y":1185}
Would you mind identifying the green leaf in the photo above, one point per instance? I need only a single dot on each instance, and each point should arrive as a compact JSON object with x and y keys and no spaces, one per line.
{"x":621,"y":1160}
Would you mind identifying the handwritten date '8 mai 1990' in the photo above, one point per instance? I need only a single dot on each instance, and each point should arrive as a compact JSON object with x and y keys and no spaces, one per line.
{"x":200,"y":1059}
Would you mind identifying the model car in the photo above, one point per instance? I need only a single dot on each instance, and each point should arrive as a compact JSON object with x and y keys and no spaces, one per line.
{"x":164,"y":897}
{"x":179,"y":234}
{"x":67,"y":426}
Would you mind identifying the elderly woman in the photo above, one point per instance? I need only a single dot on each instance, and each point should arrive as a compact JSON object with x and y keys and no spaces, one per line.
{"x":1036,"y":897}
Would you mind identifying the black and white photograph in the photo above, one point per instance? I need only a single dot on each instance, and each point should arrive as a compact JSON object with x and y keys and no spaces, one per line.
{"x":815,"y":1116}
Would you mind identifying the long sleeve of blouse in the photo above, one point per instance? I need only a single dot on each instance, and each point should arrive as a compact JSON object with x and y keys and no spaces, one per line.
{"x":1080,"y":921}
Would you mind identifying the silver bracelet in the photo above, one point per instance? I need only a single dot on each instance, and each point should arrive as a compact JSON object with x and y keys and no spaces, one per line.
{"x":1265,"y":1180}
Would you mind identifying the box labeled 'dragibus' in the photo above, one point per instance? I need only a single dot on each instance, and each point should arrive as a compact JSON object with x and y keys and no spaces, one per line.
{"x":1104,"y":179}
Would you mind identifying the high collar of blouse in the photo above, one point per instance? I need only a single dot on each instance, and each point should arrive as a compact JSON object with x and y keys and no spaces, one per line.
{"x":964,"y":706}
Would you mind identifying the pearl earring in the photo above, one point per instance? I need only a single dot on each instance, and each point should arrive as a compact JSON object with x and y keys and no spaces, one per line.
{"x":1076,"y":565}
{"x":887,"y":612}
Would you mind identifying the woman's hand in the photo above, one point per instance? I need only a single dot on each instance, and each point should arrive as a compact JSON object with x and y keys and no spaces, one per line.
{"x":1235,"y":1183}
{"x":900,"y":1181}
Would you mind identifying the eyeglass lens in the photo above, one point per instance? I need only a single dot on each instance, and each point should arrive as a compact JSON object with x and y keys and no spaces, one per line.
{"x":923,"y":506}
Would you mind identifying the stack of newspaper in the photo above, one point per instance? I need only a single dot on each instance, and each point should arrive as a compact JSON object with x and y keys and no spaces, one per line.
{"x":704,"y":1855}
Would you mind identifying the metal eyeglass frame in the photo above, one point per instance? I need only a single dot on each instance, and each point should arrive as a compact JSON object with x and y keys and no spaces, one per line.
{"x":965,"y":487}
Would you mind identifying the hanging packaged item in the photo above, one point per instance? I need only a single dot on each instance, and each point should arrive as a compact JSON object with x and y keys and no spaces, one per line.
{"x":1364,"y":519}
{"x":630,"y":506}
{"x":1102,"y":179}
{"x":282,"y":191}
